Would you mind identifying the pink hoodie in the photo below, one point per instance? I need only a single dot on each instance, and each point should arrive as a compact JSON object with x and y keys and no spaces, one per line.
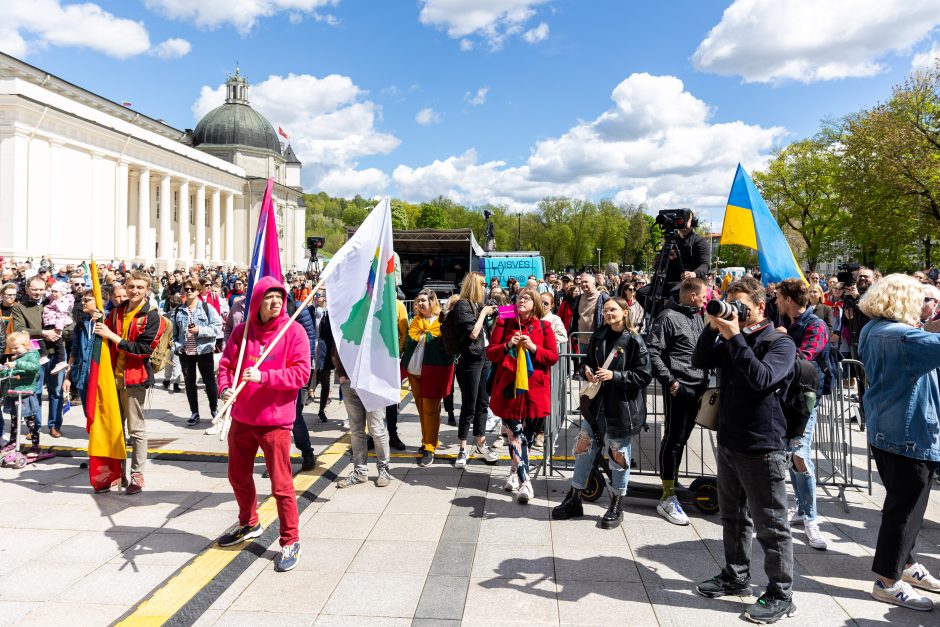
{"x":285,"y":370}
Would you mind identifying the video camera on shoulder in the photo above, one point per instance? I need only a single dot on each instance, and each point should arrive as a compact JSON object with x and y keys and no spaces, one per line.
{"x":670,"y":220}
{"x":846,"y":275}
{"x":726,"y":310}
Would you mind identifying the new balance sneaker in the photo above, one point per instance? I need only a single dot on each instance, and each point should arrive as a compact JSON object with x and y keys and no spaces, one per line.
{"x":427,"y":458}
{"x":769,"y":609}
{"x":901,"y":593}
{"x":723,"y":585}
{"x":813,"y":535}
{"x":136,"y":484}
{"x":461,"y":461}
{"x":287,"y":560}
{"x":670,"y":509}
{"x":352,"y":479}
{"x":489,"y":455}
{"x":526,"y":493}
{"x":193,"y":420}
{"x":384,"y":477}
{"x":920,"y":577}
{"x":240,"y":533}
{"x":512,"y":482}
{"x":796,"y":518}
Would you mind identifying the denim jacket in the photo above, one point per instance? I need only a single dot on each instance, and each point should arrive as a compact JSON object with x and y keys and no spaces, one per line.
{"x":206,"y":318}
{"x":903,"y":396}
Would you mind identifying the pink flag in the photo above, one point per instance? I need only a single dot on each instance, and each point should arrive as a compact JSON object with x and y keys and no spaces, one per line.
{"x":507,"y":312}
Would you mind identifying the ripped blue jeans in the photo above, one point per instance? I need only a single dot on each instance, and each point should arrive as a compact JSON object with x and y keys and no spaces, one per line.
{"x":585,"y":449}
{"x":519,"y":438}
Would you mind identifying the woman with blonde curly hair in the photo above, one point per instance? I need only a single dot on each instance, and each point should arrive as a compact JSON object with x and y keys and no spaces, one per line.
{"x":901,"y":408}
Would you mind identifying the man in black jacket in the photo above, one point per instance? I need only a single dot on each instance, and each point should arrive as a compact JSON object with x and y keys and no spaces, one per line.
{"x":671,"y":343}
{"x":752,"y":461}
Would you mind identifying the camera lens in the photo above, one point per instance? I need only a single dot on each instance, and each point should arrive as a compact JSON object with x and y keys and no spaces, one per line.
{"x":720,"y":309}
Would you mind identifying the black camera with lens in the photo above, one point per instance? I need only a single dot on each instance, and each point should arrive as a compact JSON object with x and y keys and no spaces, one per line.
{"x":674,"y":219}
{"x":846,"y":275}
{"x":727,"y":311}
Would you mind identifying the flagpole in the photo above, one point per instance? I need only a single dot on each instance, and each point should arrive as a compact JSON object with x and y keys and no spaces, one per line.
{"x":226,"y":405}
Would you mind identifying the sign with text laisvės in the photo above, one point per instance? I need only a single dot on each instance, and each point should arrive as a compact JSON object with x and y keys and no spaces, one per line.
{"x":521,"y":268}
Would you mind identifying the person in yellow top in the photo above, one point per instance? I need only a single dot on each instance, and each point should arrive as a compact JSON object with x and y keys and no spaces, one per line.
{"x":391,"y":412}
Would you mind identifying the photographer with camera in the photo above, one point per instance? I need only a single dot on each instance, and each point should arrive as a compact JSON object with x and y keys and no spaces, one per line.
{"x":855,"y":281}
{"x":690,"y":253}
{"x":751,"y":457}
{"x":671,"y":342}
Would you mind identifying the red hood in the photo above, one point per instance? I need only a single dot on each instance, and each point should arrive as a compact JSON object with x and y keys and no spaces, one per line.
{"x":264,"y":285}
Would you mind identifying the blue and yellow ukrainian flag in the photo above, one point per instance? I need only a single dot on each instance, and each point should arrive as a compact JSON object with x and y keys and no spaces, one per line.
{"x":748,"y":222}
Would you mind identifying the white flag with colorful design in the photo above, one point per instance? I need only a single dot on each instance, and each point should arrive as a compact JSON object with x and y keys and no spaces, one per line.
{"x":360,"y":289}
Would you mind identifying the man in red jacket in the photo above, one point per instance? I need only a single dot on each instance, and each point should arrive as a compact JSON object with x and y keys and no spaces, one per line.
{"x":131,"y":329}
{"x":263,"y":414}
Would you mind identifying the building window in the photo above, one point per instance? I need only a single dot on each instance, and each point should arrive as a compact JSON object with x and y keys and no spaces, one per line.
{"x":176,"y":206}
{"x":192,"y":214}
{"x":157,"y":197}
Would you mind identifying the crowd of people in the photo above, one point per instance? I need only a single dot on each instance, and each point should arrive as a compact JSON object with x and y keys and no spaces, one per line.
{"x":755,"y":342}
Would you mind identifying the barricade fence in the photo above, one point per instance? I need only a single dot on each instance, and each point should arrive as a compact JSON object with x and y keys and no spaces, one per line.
{"x":833,"y":447}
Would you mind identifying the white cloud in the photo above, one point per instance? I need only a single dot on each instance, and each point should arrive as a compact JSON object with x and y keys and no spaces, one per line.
{"x":537,"y":34}
{"x":330,"y":122}
{"x":808,"y":40}
{"x":492,"y":20}
{"x":427,"y":116}
{"x":171,"y":49}
{"x":242,"y":14}
{"x":35,"y":24}
{"x":348,"y":182}
{"x":926,"y":60}
{"x":479,"y":98}
{"x":657,"y":144}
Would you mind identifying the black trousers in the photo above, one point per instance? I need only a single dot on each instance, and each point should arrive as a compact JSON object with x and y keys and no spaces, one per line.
{"x":299,"y":430}
{"x":206,"y":365}
{"x":471,"y":374}
{"x":907,"y":485}
{"x":391,"y":419}
{"x":323,"y":379}
{"x":679,"y":423}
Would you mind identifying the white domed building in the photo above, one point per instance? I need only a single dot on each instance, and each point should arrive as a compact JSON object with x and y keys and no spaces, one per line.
{"x":81,"y":175}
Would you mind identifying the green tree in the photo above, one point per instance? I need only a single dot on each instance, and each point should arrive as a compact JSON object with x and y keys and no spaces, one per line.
{"x":432,"y":216}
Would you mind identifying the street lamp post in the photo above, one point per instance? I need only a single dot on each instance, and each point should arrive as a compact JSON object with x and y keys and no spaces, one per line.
{"x":598,"y":259}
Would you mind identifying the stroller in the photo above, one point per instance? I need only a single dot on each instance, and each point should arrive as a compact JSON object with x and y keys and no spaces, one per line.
{"x":10,"y":455}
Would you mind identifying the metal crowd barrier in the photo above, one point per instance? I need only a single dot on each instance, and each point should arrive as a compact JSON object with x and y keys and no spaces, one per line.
{"x":834,"y":442}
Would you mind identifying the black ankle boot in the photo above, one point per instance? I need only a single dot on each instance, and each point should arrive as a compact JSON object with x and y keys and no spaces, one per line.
{"x":614,"y":514}
{"x":571,"y":507}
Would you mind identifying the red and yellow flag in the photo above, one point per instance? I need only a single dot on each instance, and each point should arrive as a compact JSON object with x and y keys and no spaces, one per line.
{"x":106,"y":450}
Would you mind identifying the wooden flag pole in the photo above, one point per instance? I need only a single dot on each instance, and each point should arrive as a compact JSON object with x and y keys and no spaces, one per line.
{"x":227,"y":404}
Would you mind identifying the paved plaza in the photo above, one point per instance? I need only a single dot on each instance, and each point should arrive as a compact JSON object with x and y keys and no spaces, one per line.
{"x":436,"y":547}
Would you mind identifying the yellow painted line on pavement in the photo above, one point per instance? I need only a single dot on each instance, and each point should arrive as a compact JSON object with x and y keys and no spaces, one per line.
{"x":167,"y":600}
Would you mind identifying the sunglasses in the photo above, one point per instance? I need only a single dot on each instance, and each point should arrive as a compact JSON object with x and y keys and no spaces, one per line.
{"x":189,"y":289}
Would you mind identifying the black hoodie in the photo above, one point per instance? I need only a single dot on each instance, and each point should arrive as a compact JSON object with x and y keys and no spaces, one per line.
{"x":671,"y":342}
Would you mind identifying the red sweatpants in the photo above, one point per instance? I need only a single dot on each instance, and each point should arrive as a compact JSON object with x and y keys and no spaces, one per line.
{"x":243,"y":443}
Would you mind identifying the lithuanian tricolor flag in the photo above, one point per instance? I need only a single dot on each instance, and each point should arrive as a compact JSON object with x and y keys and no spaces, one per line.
{"x":106,"y":451}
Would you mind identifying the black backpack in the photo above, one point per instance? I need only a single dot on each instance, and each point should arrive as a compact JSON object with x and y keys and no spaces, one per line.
{"x":455,"y":341}
{"x":797,"y":393}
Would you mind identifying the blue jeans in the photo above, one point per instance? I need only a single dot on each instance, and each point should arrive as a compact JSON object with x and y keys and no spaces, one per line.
{"x":53,"y":385}
{"x":804,"y":483}
{"x":586,"y":450}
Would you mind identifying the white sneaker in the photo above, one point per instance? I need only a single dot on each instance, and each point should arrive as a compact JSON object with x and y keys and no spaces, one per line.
{"x":461,"y":459}
{"x":489,"y":455}
{"x":901,"y":593}
{"x":59,"y":367}
{"x":492,"y":421}
{"x":796,"y":518}
{"x":525,"y":493}
{"x":215,"y":429}
{"x":920,"y":577}
{"x":512,"y":482}
{"x":670,"y":509}
{"x":813,"y":535}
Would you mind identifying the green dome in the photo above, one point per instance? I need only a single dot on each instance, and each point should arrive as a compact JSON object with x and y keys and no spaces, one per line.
{"x":236,"y":124}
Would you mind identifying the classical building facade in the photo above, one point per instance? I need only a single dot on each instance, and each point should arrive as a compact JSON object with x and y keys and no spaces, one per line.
{"x":81,"y":175}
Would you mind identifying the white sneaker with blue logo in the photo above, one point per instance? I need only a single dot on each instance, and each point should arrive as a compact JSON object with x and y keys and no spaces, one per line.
{"x":901,"y":593}
{"x":920,"y":577}
{"x":670,"y":509}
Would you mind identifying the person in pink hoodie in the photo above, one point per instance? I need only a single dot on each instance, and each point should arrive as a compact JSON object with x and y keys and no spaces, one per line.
{"x":263,"y":414}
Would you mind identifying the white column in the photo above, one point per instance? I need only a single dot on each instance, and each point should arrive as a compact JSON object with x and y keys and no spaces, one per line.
{"x":215,"y":231}
{"x":229,"y":228}
{"x":183,"y":252}
{"x":166,"y":231}
{"x":94,"y":198}
{"x":120,"y":210}
{"x":296,"y":245}
{"x":14,"y":150}
{"x":200,"y":209}
{"x":144,"y":249}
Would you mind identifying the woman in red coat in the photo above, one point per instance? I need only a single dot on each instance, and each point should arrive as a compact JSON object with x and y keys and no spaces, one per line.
{"x":527,"y":332}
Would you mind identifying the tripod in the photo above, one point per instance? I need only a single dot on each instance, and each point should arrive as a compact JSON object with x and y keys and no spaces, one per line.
{"x":313,"y":264}
{"x":655,"y":302}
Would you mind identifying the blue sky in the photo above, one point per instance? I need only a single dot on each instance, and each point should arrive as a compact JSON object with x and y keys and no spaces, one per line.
{"x":501,"y":101}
